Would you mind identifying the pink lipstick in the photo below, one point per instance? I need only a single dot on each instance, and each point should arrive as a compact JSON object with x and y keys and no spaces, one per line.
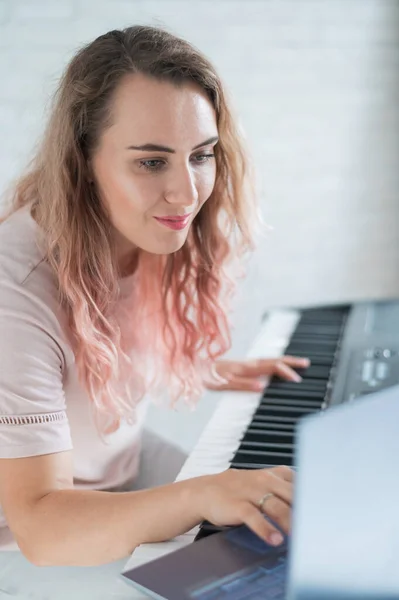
{"x":176,"y":223}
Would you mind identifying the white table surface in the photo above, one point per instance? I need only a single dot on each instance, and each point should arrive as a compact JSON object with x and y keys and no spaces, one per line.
{"x":20,"y":580}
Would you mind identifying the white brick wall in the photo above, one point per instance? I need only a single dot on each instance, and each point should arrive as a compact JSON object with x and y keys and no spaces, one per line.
{"x":315,"y":83}
{"x":42,"y":12}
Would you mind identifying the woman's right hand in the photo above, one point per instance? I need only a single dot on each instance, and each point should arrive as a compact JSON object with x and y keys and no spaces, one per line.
{"x":233,"y":497}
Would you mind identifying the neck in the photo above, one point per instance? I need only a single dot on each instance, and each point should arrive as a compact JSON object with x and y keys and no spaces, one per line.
{"x":127,"y":255}
{"x":128,"y":263}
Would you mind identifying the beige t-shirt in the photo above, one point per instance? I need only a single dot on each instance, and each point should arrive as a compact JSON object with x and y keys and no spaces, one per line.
{"x":43,"y":407}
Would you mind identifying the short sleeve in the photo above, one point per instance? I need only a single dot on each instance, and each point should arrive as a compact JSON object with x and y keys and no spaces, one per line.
{"x":33,"y":417}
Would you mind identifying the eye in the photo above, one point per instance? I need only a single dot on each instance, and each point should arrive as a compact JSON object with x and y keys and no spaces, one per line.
{"x":203,"y":158}
{"x":154,"y":164}
{"x":151,"y":164}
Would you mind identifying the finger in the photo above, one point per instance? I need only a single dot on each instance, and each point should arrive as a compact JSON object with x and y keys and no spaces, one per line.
{"x":284,"y":472}
{"x":267,"y":366}
{"x":271,"y":481}
{"x":255,"y":367}
{"x":279,"y":511}
{"x":241,"y":384}
{"x":285,"y":372}
{"x":246,"y":383}
{"x":252,"y":518}
{"x":298,"y":362}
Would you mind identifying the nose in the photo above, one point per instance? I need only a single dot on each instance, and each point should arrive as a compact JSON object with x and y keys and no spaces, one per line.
{"x":182,"y":188}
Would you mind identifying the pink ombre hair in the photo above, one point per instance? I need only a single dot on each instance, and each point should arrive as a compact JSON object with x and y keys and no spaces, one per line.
{"x":166,"y":334}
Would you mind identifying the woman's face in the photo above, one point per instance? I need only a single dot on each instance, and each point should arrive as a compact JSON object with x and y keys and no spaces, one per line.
{"x":155,"y":160}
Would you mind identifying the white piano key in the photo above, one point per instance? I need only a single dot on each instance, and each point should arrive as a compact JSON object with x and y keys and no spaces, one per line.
{"x":210,"y":454}
{"x":206,"y":470}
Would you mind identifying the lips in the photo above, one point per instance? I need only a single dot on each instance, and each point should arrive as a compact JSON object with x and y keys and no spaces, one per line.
{"x":174,"y":219}
{"x":175,"y":223}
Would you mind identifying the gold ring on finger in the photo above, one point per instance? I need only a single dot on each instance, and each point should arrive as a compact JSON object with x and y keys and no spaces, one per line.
{"x":263,"y":500}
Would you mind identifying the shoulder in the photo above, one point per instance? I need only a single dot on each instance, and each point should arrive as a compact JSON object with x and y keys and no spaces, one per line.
{"x":33,"y":347}
{"x":20,"y":252}
{"x":28,"y":287}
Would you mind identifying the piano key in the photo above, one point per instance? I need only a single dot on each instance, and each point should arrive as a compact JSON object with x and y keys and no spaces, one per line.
{"x":260,"y":425}
{"x":318,"y":331}
{"x":292,"y":402}
{"x":266,"y":461}
{"x":311,"y":352}
{"x":328,"y":345}
{"x":316,"y":360}
{"x":261,"y":418}
{"x":285,"y":411}
{"x":260,"y":465}
{"x":316,"y":373}
{"x":308,"y":384}
{"x":299,"y":393}
{"x":255,"y":436}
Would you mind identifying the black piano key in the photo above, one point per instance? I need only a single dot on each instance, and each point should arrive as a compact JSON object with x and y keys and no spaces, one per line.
{"x":293,"y":403}
{"x":253,"y":446}
{"x":292,"y":399}
{"x":318,"y":331}
{"x":325,"y":345}
{"x":294,"y":395}
{"x":313,"y":341}
{"x":262,"y":418}
{"x":260,"y":457}
{"x":322,"y":343}
{"x":309,"y":384}
{"x":316,"y":372}
{"x":299,"y":393}
{"x":262,"y":435}
{"x":266,"y":446}
{"x":309,"y":351}
{"x":253,"y":466}
{"x":325,"y":342}
{"x":261,"y":425}
{"x":283,"y":411}
{"x":316,"y":360}
{"x":323,"y":314}
{"x":306,"y":380}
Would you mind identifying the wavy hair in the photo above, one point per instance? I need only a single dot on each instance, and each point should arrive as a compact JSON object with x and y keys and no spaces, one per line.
{"x":168,"y":331}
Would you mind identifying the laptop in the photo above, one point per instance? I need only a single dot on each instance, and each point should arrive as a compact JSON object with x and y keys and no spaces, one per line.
{"x":345,"y":538}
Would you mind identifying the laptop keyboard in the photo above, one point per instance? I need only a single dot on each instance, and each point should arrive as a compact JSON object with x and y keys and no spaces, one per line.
{"x":262,"y":582}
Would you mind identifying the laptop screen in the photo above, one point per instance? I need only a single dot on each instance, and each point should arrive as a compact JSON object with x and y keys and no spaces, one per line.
{"x":345,"y":538}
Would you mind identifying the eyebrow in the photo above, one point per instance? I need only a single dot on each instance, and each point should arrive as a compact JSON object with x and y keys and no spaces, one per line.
{"x":158,"y":148}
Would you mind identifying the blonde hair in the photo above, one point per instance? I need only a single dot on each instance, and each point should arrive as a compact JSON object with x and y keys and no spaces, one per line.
{"x":175,"y":323}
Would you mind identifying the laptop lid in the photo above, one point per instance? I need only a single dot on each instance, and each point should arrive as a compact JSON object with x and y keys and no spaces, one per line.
{"x":345,"y":540}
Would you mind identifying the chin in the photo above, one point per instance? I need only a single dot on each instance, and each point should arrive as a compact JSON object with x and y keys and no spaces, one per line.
{"x":165,"y":247}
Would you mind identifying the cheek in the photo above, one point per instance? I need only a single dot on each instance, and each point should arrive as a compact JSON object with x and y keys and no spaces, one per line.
{"x":206,"y":184}
{"x":130,"y":192}
{"x":113,"y":185}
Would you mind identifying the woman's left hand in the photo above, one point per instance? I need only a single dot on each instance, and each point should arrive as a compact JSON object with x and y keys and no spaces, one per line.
{"x":247,"y":375}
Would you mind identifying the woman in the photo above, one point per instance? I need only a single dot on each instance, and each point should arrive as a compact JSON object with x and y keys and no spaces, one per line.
{"x":116,"y":270}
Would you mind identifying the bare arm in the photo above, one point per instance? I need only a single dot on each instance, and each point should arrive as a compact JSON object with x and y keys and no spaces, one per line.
{"x":55,"y":524}
{"x":79,"y":527}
